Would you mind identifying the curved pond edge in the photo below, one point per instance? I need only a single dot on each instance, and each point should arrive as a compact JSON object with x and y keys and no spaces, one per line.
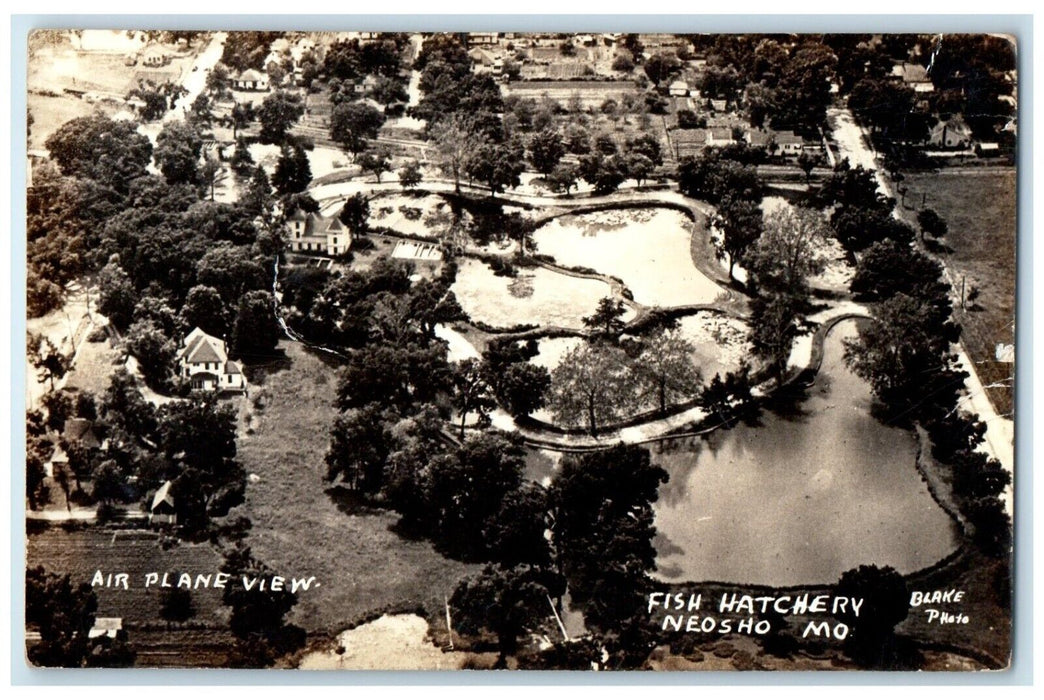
{"x":542,"y":434}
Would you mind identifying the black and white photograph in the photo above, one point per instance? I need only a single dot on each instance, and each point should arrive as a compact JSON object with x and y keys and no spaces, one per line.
{"x":492,"y":350}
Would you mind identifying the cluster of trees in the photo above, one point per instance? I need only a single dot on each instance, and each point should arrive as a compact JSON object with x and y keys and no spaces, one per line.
{"x":968,"y":72}
{"x":590,"y":533}
{"x":162,"y":252}
{"x":350,"y":59}
{"x":243,"y":50}
{"x":64,"y":614}
{"x":450,"y":88}
{"x":156,"y":99}
{"x":604,"y":380}
{"x":786,"y":80}
{"x":166,"y":259}
{"x":861,"y":215}
{"x":190,"y":443}
{"x":505,"y":377}
{"x":716,"y":176}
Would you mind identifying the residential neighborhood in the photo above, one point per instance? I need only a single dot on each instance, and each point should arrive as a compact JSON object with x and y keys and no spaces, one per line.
{"x":486,"y":346}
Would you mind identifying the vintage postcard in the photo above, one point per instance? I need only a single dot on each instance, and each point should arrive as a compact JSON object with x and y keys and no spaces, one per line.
{"x":492,"y":350}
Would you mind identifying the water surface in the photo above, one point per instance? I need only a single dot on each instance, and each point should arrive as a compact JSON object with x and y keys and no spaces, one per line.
{"x":800,"y":498}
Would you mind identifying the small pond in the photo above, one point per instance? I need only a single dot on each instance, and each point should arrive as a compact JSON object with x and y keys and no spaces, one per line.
{"x":648,"y":248}
{"x":534,"y":295}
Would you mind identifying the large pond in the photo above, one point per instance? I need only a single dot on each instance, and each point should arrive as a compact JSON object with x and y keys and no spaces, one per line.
{"x":648,"y":248}
{"x":800,"y":498}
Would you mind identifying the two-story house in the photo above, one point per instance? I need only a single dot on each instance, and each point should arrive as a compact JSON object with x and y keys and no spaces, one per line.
{"x":312,"y":233}
{"x":203,"y":359}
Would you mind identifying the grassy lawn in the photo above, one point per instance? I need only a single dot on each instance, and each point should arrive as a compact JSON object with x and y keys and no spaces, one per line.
{"x":299,"y":529}
{"x":94,"y":366}
{"x":979,"y":207}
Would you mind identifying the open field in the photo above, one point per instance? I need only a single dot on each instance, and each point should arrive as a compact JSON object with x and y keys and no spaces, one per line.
{"x":80,"y":552}
{"x":979,"y":207}
{"x":301,"y":528}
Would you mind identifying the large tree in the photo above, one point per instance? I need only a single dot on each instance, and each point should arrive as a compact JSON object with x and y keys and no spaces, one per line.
{"x":205,"y":309}
{"x":608,"y":317}
{"x":178,"y":147}
{"x":359,"y":448}
{"x":293,"y":172}
{"x":256,"y":331}
{"x":546,"y":148}
{"x":506,"y":602}
{"x":471,"y":393}
{"x":665,"y":369}
{"x":395,"y":377}
{"x":258,"y":615}
{"x":355,"y":214}
{"x":789,"y":250}
{"x":278,"y":113}
{"x":661,"y":66}
{"x":591,"y":386}
{"x":603,"y":532}
{"x":775,"y":321}
{"x":109,"y":151}
{"x":455,"y":143}
{"x":498,"y":165}
{"x":377,"y":161}
{"x":740,"y":222}
{"x":886,"y":602}
{"x":522,"y":388}
{"x":464,"y":493}
{"x":352,"y":124}
{"x":154,"y":352}
{"x":905,"y":344}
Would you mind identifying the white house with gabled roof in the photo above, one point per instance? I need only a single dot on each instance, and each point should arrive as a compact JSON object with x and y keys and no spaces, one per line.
{"x":203,"y":359}
{"x":312,"y":233}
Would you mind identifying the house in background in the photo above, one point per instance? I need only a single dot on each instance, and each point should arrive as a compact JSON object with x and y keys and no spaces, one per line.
{"x":203,"y":359}
{"x":312,"y":233}
{"x":483,"y":38}
{"x":786,"y":143}
{"x":79,"y":432}
{"x":720,"y":136}
{"x":250,"y":80}
{"x":162,"y":511}
{"x":914,"y":76}
{"x":155,"y":57}
{"x":952,"y":133}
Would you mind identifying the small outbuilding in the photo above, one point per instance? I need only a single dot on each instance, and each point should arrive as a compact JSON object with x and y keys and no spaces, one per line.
{"x":162,"y":511}
{"x":106,"y":627}
{"x":679,"y":88}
